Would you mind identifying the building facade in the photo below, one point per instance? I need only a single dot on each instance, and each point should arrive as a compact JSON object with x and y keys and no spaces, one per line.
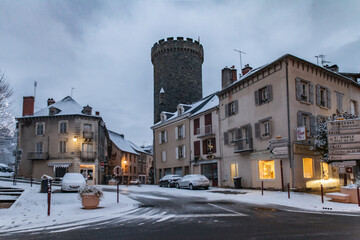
{"x":63,"y":137}
{"x":177,"y":73}
{"x":281,"y":102}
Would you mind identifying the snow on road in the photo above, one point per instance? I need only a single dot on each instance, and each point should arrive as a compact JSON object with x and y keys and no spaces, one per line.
{"x":29,"y":212}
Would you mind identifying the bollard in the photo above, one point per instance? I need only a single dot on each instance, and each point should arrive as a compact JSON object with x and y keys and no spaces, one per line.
{"x":289,"y":190}
{"x":49,"y":196}
{"x":31,"y":180}
{"x":322,"y":194}
{"x":117,"y":190}
{"x":358,"y":195}
{"x":262,"y":187}
{"x":14,"y":180}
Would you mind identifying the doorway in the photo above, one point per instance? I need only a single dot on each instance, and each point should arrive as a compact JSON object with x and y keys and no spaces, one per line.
{"x":88,"y":172}
{"x":211,"y":172}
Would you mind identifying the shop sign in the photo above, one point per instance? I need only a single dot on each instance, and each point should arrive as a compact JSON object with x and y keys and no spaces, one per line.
{"x":344,"y":146}
{"x":344,"y":124}
{"x":344,"y":157}
{"x":344,"y":164}
{"x":303,"y":149}
{"x":301,"y":133}
{"x":351,"y":138}
{"x":344,"y":151}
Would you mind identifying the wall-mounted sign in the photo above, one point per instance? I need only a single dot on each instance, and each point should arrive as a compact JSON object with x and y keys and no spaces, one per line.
{"x":301,"y":133}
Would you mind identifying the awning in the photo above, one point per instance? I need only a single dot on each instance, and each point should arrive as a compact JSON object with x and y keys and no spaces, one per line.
{"x":63,"y":165}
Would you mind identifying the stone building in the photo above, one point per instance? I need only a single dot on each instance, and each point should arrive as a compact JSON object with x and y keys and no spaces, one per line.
{"x":63,"y":137}
{"x":177,"y":73}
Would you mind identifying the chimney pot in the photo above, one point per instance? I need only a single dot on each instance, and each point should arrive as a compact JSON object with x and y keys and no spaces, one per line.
{"x":28,"y":106}
{"x":246,"y":69}
{"x":97,"y":113}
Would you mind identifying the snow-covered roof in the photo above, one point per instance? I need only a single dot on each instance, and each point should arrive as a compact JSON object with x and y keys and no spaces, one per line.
{"x":137,"y":148}
{"x":212,"y":103}
{"x":121,"y":143}
{"x":66,"y":106}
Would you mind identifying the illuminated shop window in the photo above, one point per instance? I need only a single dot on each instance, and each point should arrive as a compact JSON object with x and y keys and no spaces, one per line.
{"x":308,"y":167}
{"x":266,"y":169}
{"x":325,"y":171}
{"x":233,"y":171}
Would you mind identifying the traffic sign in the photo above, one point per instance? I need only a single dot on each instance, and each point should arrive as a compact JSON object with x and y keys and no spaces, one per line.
{"x":102,"y":163}
{"x":117,"y":171}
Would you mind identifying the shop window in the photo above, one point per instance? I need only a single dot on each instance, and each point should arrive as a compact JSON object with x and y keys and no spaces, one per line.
{"x":308,"y":168}
{"x":266,"y":169}
{"x":233,"y":171}
{"x":325,"y":171}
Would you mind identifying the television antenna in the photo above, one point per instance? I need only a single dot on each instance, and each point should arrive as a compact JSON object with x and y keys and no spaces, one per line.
{"x":240,"y":52}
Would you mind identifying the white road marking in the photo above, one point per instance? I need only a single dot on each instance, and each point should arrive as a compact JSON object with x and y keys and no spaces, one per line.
{"x":229,"y":210}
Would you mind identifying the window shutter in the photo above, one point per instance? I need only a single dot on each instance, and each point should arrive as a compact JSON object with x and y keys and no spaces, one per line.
{"x":298,"y":90}
{"x":197,"y":148}
{"x":165,"y":132}
{"x":328,"y":95}
{"x":204,"y":147}
{"x":270,"y":127}
{"x":214,"y":146}
{"x":177,"y":152}
{"x":184,"y":151}
{"x":249,"y":132}
{"x":183,"y":130}
{"x":257,"y":130}
{"x":176,"y":133}
{"x":269,"y":92}
{"x":312,"y":125}
{"x":159,"y":137}
{"x":299,"y":119}
{"x":226,"y":138}
{"x":239,"y":136}
{"x":226,"y":110}
{"x":236,"y":106}
{"x":318,"y":95}
{"x":311,"y":95}
{"x":257,"y":100}
{"x":196,"y":125}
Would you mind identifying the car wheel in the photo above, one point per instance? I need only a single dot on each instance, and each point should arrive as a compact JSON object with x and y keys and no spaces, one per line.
{"x":169,"y":186}
{"x":177,"y":186}
{"x":206,"y":188}
{"x":160,"y":185}
{"x":191,"y":187}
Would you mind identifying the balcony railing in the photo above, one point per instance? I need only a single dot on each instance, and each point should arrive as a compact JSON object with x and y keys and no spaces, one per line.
{"x":88,"y":156}
{"x":243,"y":145}
{"x":205,"y":131}
{"x":61,"y":156}
{"x":88,"y":135}
{"x":37,"y":155}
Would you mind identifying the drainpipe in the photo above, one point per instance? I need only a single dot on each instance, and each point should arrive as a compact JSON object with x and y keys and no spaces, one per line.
{"x":221,"y":160}
{"x":154,"y":159}
{"x":291,"y":159}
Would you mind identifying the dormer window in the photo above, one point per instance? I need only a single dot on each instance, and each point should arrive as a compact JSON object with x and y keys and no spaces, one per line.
{"x":162,"y":116}
{"x":87,"y":110}
{"x":162,"y":96}
{"x":53,"y":111}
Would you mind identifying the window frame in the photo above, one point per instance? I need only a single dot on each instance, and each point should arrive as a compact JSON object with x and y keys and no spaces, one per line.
{"x":61,"y":128}
{"x":262,"y":167}
{"x":40,"y":129}
{"x":308,"y":175}
{"x":62,"y":146}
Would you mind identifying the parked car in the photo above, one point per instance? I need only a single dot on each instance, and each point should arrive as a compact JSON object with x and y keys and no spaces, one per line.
{"x":6,"y":171}
{"x":169,"y":180}
{"x":71,"y":182}
{"x":135,"y":182}
{"x":193,"y":181}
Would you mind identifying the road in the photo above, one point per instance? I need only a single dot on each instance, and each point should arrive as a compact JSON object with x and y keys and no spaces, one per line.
{"x":165,"y":216}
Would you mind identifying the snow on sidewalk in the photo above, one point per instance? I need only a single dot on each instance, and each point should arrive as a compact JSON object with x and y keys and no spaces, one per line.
{"x":29,"y":212}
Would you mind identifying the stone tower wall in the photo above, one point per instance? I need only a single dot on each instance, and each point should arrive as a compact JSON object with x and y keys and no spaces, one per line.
{"x":178,"y":70}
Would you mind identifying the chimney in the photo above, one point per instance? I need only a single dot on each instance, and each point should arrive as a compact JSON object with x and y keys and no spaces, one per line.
{"x":246,"y":69}
{"x":228,"y":76}
{"x":97,"y":113}
{"x":50,"y":101}
{"x":28,"y":106}
{"x":333,"y":68}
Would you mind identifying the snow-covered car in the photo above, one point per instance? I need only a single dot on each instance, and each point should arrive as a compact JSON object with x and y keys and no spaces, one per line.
{"x":193,"y":181}
{"x":6,"y":171}
{"x":71,"y":182}
{"x":135,"y":182}
{"x":169,"y":180}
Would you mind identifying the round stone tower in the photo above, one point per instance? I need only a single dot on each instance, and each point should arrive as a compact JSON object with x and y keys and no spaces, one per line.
{"x":177,"y":73}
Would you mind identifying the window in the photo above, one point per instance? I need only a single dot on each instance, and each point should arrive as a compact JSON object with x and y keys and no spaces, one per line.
{"x":266,"y":169}
{"x":323,"y":96}
{"x":180,"y":132}
{"x":162,"y":137}
{"x":134,"y":169}
{"x":180,"y":152}
{"x":233,"y":171}
{"x":339,"y":101}
{"x":87,"y":127}
{"x":353,"y":107}
{"x":308,"y":167}
{"x":62,"y":146}
{"x":325,"y":171}
{"x":163,"y":156}
{"x":40,"y":129}
{"x":307,"y":120}
{"x":63,"y":127}
{"x":263,"y":95}
{"x":39,"y":147}
{"x":243,"y":139}
{"x":304,"y":91}
{"x":231,"y":108}
{"x":209,"y":146}
{"x":263,"y":128}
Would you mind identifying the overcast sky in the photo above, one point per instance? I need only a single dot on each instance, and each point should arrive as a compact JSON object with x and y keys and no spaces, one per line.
{"x":102,"y":48}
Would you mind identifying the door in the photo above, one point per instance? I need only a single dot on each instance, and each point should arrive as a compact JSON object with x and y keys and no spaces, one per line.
{"x":210,"y":171}
{"x":88,"y":173}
